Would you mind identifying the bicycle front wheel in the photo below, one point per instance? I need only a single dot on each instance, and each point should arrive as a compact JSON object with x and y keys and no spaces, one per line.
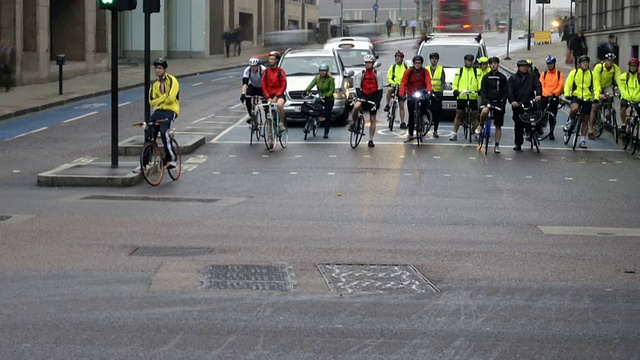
{"x":419,"y":127}
{"x":153,"y":170}
{"x":599,"y":124}
{"x":315,"y":125}
{"x":357,"y":133}
{"x":283,"y":137}
{"x":392,"y":115}
{"x":174,"y":172}
{"x":427,"y":122}
{"x":269,"y":135}
{"x":635,"y":138}
{"x":576,"y":135}
{"x":614,"y":126}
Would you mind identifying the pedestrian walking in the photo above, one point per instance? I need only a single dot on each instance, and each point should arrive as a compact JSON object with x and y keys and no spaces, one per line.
{"x":389,"y":25}
{"x":403,"y":27}
{"x":228,"y":37}
{"x":7,"y":65}
{"x":414,"y":25}
{"x":578,"y":47}
{"x":237,"y":40}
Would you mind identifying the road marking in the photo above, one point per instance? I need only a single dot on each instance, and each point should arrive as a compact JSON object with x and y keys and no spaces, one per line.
{"x":331,"y":173}
{"x":543,"y":159}
{"x":80,"y":117}
{"x":436,"y":157}
{"x":401,"y":156}
{"x":618,"y":162}
{"x":298,"y":156}
{"x":568,"y":178}
{"x":225,"y":131}
{"x":232,"y":156}
{"x":197,"y":121}
{"x":489,"y":176}
{"x":187,"y":167}
{"x":193,"y":132}
{"x":197,"y":159}
{"x":84,"y":160}
{"x":447,"y":175}
{"x":407,"y":174}
{"x":508,"y":159}
{"x":528,"y":177}
{"x":589,"y":231}
{"x":255,"y":173}
{"x":367,"y":156}
{"x":265,"y":156}
{"x":293,"y":173}
{"x":613,"y":179}
{"x":15,"y":171}
{"x":236,"y":106}
{"x":27,"y":133}
{"x":332,"y":156}
{"x":197,"y":84}
{"x":227,"y":116}
{"x":222,"y":78}
{"x":472,"y":157}
{"x":216,"y":173}
{"x":123,"y":104}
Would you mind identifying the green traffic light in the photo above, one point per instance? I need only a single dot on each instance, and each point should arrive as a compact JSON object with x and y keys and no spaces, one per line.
{"x":106,"y":1}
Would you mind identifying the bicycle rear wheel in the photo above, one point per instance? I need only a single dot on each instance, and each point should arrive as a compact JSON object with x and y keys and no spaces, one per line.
{"x":578,"y":128}
{"x":153,"y":171}
{"x":635,"y":138}
{"x":269,"y":135}
{"x":283,"y":137}
{"x":174,"y":173}
{"x":427,"y":122}
{"x":599,"y":124}
{"x":614,"y":126}
{"x":316,"y":121}
{"x":391,"y":117}
{"x":419,"y":126}
{"x":535,"y":141}
{"x":307,"y":127}
{"x":357,"y":133}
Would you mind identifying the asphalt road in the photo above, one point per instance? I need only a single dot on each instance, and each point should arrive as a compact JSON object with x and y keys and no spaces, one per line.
{"x":532,"y":255}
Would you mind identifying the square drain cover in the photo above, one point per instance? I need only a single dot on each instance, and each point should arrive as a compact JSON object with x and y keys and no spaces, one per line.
{"x":169,"y":251}
{"x":375,"y":278}
{"x":248,"y":277}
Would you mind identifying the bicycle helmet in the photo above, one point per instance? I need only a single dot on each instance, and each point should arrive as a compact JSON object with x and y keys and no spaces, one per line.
{"x":550,"y":60}
{"x":434,"y":55}
{"x":584,"y":58}
{"x":254,"y":61}
{"x":483,"y":60}
{"x":634,"y":61}
{"x":469,"y":57}
{"x":418,"y":58}
{"x":399,"y":53}
{"x":161,"y":62}
{"x":494,"y":59}
{"x":369,"y":58}
{"x":276,"y":54}
{"x":610,"y":56}
{"x":523,"y":62}
{"x":323,"y":67}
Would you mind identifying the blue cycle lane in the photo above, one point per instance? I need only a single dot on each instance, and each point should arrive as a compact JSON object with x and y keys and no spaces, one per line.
{"x":75,"y":111}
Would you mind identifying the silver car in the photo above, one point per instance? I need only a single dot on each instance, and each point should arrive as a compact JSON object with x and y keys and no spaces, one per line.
{"x":301,"y":66}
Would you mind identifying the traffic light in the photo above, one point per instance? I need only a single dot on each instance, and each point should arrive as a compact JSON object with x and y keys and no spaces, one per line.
{"x":151,"y":6}
{"x":118,"y":5}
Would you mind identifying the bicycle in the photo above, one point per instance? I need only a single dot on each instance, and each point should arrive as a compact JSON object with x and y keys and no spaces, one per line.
{"x":467,"y":117}
{"x":358,"y":130}
{"x":313,"y":111}
{"x":271,"y":128}
{"x":485,"y":129}
{"x":547,"y":115}
{"x":606,"y":116}
{"x":257,"y":116}
{"x":574,"y":128}
{"x":631,"y":136}
{"x":532,"y":120}
{"x":422,"y":125}
{"x":394,"y":105}
{"x":152,"y":163}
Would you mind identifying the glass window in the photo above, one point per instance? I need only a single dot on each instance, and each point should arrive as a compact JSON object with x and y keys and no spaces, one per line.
{"x":307,"y":65}
{"x":451,"y":55}
{"x":353,"y":58}
{"x":453,"y":8}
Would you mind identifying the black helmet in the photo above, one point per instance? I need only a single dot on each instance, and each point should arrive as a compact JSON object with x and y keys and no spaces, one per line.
{"x":469,"y":57}
{"x":523,"y":62}
{"x":434,"y":55}
{"x":160,"y":62}
{"x":418,"y":58}
{"x":494,"y":59}
{"x":584,"y":58}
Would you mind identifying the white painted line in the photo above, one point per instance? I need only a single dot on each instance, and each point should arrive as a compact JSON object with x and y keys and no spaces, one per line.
{"x":332,"y":156}
{"x":80,"y":117}
{"x":447,"y":175}
{"x":568,"y":178}
{"x":293,"y":173}
{"x":613,"y":179}
{"x":222,"y":78}
{"x":604,"y":163}
{"x":212,"y":115}
{"x":618,"y":162}
{"x":16,"y":171}
{"x":193,"y":132}
{"x":216,"y":173}
{"x":508,"y":159}
{"x":582,"y":162}
{"x":225,"y":131}
{"x":232,"y":156}
{"x":188,"y":167}
{"x":472,"y":157}
{"x":227,"y":116}
{"x":30,"y":132}
{"x":367,"y":156}
{"x":126,"y":103}
{"x":197,"y":84}
{"x":436,"y":157}
{"x":543,"y":160}
{"x":402,"y":156}
{"x":489,"y":176}
{"x":298,"y":156}
{"x":264,"y":156}
{"x":331,"y":173}
{"x":586,"y":231}
{"x":255,"y":173}
{"x":529,"y":177}
{"x":236,"y":106}
{"x":197,"y":121}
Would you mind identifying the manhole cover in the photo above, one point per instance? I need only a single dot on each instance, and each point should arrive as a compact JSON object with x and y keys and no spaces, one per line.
{"x":375,"y":278}
{"x":148,"y":198}
{"x":248,"y":277}
{"x":170,"y":251}
{"x":585,"y":159}
{"x":5,"y":217}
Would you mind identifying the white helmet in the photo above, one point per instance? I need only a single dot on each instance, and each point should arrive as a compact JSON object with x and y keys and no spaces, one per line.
{"x":254,"y":61}
{"x":369,"y":58}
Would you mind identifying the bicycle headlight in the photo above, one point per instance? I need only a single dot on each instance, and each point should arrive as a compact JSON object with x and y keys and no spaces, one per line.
{"x":417,"y":94}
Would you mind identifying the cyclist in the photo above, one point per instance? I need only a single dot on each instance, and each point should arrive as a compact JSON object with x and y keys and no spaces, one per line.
{"x":606,"y":74}
{"x":484,"y":65}
{"x":552,"y":81}
{"x":164,"y":97}
{"x":523,"y":86}
{"x":252,"y":83}
{"x":394,"y":77}
{"x":579,"y":87}
{"x":534,"y":70}
{"x":629,"y":83}
{"x":326,"y":85}
{"x":493,"y":90}
{"x":467,"y":78}
{"x":416,"y":79}
{"x":368,"y":85}
{"x":274,"y":84}
{"x":437,"y":79}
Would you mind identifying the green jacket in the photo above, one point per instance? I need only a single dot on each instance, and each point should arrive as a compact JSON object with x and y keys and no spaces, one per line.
{"x":326,"y":87}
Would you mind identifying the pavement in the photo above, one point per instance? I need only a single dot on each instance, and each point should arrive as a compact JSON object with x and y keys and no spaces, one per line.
{"x":538,"y":54}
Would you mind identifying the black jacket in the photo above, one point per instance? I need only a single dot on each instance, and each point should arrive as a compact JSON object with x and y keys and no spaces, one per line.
{"x":494,"y":88}
{"x":523,"y":87}
{"x":578,"y":46}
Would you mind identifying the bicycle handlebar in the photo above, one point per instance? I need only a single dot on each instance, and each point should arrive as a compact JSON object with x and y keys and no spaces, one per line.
{"x":150,"y":123}
{"x":355,"y":100}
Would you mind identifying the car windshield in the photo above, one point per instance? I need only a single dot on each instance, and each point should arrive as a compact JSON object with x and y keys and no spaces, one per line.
{"x":307,"y":65}
{"x":352,"y":58}
{"x":451,"y":55}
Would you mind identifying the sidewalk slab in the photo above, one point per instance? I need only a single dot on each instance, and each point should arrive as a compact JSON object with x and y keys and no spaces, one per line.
{"x":133,"y":145}
{"x":91,"y":174}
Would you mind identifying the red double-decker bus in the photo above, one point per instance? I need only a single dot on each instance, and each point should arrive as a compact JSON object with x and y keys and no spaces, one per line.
{"x":460,"y":16}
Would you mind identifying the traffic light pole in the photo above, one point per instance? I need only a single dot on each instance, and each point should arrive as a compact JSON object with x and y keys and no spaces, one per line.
{"x":147,"y":64}
{"x":114,"y":88}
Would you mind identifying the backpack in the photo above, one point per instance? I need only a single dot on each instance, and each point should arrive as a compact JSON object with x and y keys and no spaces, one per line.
{"x":393,"y":77}
{"x":544,"y":75}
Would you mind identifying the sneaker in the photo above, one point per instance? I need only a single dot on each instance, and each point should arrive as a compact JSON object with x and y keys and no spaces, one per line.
{"x":409,"y":139}
{"x":592,"y":136}
{"x":551,"y":137}
{"x":454,"y":137}
{"x":371,"y":144}
{"x":326,"y":136}
{"x":403,"y":125}
{"x":171,"y":165}
{"x":435,"y":134}
{"x":281,"y":128}
{"x":386,"y":108}
{"x":496,"y":149}
{"x":517,"y":148}
{"x":478,"y":130}
{"x":249,"y":121}
{"x":583,"y":144}
{"x":138,"y":169}
{"x":352,"y":127}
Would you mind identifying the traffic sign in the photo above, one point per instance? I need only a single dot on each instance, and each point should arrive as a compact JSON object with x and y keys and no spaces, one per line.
{"x":375,"y":7}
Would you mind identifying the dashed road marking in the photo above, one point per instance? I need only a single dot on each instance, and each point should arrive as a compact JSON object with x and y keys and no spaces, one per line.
{"x":298,"y":156}
{"x":331,"y":173}
{"x":293,"y":173}
{"x":528,"y":177}
{"x":265,"y":156}
{"x":613,"y":179}
{"x":489,"y":176}
{"x":216,"y":173}
{"x":447,"y":175}
{"x":568,"y":178}
{"x":332,"y":156}
{"x":222,"y":78}
{"x":255,"y":173}
{"x":124,"y":103}
{"x":508,"y":159}
{"x":232,"y":156}
{"x":80,"y":117}
{"x":197,"y":84}
{"x":436,"y":157}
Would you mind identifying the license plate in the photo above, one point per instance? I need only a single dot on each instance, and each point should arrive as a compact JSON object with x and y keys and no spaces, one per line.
{"x":297,"y":109}
{"x":449,"y":105}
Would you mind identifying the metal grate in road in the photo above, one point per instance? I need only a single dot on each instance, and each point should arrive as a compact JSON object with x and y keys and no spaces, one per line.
{"x":170,"y":251}
{"x":375,"y":278}
{"x":585,"y":159}
{"x":5,"y":217}
{"x":148,"y":198}
{"x":248,"y":277}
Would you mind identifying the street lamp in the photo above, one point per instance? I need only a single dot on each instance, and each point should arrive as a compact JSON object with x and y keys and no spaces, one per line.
{"x":529,"y":29}
{"x":508,"y":32}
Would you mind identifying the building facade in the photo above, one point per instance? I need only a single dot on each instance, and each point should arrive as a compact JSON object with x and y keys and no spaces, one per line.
{"x":41,"y":29}
{"x":619,"y":17}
